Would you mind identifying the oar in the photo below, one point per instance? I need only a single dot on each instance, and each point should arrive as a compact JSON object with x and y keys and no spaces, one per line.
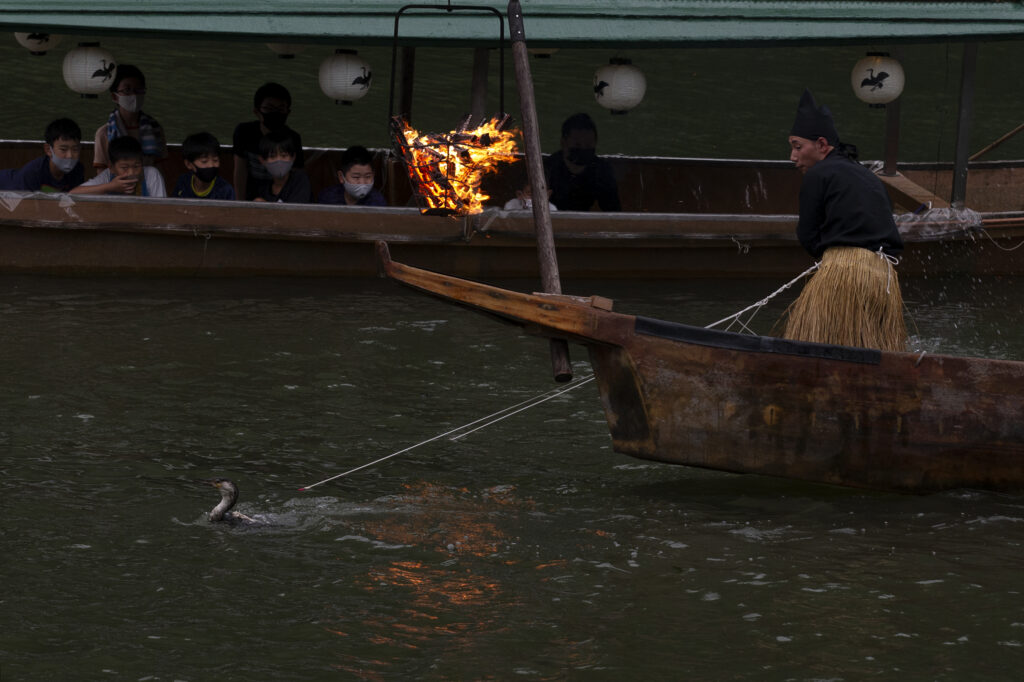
{"x":538,"y":184}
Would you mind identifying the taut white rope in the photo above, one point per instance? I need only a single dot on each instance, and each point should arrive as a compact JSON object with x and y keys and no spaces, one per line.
{"x":760,"y":304}
{"x":494,"y":418}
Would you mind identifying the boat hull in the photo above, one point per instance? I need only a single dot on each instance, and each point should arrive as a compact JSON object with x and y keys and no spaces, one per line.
{"x":828,"y":414}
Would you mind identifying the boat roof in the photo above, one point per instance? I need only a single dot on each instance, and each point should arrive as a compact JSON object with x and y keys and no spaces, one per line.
{"x":548,"y":23}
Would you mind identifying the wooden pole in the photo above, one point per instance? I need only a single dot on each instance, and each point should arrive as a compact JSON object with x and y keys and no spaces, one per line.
{"x":538,"y":183}
{"x":408,"y":78}
{"x":977,"y":155}
{"x":963,"y":128}
{"x":478,"y":96}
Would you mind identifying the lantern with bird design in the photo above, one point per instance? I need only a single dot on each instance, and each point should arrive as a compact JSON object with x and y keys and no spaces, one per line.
{"x":345,"y":76}
{"x":877,"y":79}
{"x":89,"y":69}
{"x":619,"y":86}
{"x":37,"y":43}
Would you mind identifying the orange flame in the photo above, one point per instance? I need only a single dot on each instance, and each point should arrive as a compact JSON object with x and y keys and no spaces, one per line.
{"x":447,"y":168}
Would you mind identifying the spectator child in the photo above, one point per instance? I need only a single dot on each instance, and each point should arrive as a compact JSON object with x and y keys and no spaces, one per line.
{"x":127,"y":173}
{"x":58,"y":170}
{"x":523,"y":200}
{"x":272,"y":103}
{"x":355,"y":180}
{"x":129,"y":120}
{"x":284,"y":183}
{"x":201,"y":153}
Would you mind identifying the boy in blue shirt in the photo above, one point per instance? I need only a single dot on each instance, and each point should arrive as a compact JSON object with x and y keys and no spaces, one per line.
{"x":58,"y":171}
{"x":201,"y":153}
{"x":356,"y":181}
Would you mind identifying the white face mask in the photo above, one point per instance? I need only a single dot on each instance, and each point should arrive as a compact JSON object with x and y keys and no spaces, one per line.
{"x":130,"y":103}
{"x":64,"y":165}
{"x":358,"y":191}
{"x":279,"y":169}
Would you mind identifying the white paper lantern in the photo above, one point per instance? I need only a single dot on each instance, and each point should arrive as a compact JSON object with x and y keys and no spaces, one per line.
{"x":286,"y":50}
{"x":38,"y":43}
{"x":345,"y":76}
{"x":877,"y":79}
{"x":619,"y":86}
{"x":89,"y":69}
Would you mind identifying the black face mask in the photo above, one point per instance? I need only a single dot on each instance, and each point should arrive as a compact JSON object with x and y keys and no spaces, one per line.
{"x":581,"y":156}
{"x":206,"y":174}
{"x":274,"y":120}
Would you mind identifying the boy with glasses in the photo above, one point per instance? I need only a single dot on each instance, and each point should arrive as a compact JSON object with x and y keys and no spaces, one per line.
{"x":129,"y":120}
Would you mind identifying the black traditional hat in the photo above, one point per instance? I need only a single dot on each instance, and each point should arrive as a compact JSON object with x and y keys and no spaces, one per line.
{"x":813,"y":121}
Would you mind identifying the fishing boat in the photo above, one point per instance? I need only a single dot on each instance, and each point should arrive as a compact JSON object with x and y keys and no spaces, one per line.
{"x":682,"y":217}
{"x":901,"y":422}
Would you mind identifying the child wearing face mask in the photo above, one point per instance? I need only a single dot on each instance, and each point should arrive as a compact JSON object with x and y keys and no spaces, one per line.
{"x":284,"y":183}
{"x":127,"y":173}
{"x":355,"y":178}
{"x":523,"y":200}
{"x":129,"y":120}
{"x":272,"y":104}
{"x":201,"y":153}
{"x":58,"y":170}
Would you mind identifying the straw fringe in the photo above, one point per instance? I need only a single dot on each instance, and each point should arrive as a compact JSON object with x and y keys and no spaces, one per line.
{"x":853,"y":300}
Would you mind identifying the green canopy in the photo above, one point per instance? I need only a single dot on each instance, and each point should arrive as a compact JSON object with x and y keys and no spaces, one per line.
{"x":577,"y":23}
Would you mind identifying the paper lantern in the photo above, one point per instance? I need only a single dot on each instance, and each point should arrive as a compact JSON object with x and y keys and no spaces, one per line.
{"x":286,"y":50}
{"x":619,"y":86}
{"x":877,"y":79}
{"x":345,"y":76}
{"x":89,"y":69}
{"x":542,"y":52}
{"x":37,"y":43}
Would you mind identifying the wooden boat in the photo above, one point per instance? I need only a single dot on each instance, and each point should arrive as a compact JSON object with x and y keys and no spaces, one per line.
{"x":829,"y":414}
{"x":682,"y":218}
{"x":736,"y":219}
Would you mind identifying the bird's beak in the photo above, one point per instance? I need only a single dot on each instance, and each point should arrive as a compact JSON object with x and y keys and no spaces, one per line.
{"x":208,"y":481}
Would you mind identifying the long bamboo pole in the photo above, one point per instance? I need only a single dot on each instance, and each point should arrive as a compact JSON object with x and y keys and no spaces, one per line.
{"x":538,"y":183}
{"x":977,"y":155}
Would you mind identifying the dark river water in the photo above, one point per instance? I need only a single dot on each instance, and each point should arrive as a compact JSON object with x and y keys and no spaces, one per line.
{"x":527,"y":550}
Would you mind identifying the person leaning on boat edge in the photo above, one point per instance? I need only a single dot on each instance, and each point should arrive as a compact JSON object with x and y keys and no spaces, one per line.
{"x":128,"y":119}
{"x":58,"y":170}
{"x":201,"y":155}
{"x":577,"y":177}
{"x":355,"y":181}
{"x":854,"y":298}
{"x":127,"y":174}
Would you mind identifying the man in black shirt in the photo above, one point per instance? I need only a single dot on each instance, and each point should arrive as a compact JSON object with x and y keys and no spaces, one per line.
{"x":845,"y":220}
{"x":576,"y":176}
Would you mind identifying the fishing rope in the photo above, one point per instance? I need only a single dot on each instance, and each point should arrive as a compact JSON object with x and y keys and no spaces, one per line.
{"x":998,"y":245}
{"x":489,"y":419}
{"x":756,"y":307}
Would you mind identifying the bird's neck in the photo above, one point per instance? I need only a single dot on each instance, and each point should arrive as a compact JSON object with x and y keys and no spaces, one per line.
{"x":227,"y":501}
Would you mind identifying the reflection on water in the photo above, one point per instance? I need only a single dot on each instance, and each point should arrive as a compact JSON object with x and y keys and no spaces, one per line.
{"x":527,"y":549}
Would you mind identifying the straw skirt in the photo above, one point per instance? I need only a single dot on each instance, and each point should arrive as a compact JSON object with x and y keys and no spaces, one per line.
{"x":853,"y":299}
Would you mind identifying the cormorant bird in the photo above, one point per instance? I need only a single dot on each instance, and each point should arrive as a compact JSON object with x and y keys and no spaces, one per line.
{"x":222,"y":513}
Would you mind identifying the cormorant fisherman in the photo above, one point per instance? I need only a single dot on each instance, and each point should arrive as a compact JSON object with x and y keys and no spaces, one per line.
{"x":846,"y":220}
{"x":223,"y":513}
